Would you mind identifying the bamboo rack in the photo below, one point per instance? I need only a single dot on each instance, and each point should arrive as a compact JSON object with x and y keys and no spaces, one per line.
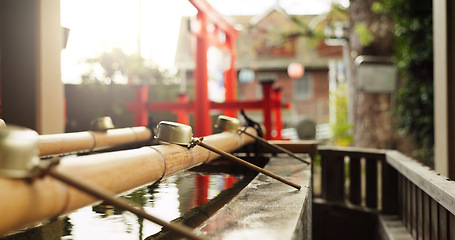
{"x":25,"y":202}
{"x":51,"y":144}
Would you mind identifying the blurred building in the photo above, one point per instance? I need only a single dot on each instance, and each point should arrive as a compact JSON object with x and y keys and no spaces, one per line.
{"x":267,"y":44}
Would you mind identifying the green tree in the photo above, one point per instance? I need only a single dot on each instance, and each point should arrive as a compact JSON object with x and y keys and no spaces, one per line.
{"x":414,"y":55}
{"x":116,"y":66}
{"x":100,"y":82}
{"x":341,"y":129}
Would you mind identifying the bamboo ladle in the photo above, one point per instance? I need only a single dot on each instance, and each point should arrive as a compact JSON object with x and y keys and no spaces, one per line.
{"x":230,"y":124}
{"x":181,"y":134}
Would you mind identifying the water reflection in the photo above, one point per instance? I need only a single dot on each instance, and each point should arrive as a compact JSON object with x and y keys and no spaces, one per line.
{"x":167,"y":200}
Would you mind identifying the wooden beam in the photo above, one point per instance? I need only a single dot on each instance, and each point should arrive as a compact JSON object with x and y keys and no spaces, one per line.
{"x":215,"y":17}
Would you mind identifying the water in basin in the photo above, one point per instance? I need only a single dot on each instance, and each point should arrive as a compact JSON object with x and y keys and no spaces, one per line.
{"x":168,"y":200}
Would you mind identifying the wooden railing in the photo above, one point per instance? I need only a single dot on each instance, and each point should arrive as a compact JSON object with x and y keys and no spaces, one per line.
{"x":388,"y":183}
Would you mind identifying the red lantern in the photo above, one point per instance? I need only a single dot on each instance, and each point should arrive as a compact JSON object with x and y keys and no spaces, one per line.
{"x":295,"y":70}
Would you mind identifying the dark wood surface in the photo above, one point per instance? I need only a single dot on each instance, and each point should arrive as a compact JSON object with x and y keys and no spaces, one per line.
{"x":452,"y":226}
{"x":371,"y":183}
{"x":434,"y":219}
{"x":419,"y":202}
{"x":389,"y":189}
{"x":426,"y":217}
{"x":335,"y":178}
{"x":355,"y":181}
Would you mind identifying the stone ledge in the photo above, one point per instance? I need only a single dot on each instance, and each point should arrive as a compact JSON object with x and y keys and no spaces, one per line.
{"x":266,"y":208}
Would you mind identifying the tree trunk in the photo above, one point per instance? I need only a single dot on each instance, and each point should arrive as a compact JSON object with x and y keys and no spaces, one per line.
{"x":370,"y":112}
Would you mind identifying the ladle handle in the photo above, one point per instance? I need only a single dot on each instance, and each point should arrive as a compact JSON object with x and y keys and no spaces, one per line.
{"x":248,"y":165}
{"x":124,"y":204}
{"x":275,"y":146}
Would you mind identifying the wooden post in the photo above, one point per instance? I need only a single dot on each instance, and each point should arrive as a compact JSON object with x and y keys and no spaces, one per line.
{"x":426,"y":217}
{"x":324,"y":156}
{"x":419,"y":217}
{"x":139,"y":106}
{"x":203,"y":122}
{"x":335,"y":183}
{"x":332,"y":176}
{"x":355,"y":179}
{"x":371,"y":183}
{"x":230,"y":77}
{"x":390,"y":200}
{"x":31,"y":41}
{"x":444,"y":87}
{"x":278,"y":113}
{"x":267,"y":104}
{"x":183,"y":115}
{"x":206,"y":13}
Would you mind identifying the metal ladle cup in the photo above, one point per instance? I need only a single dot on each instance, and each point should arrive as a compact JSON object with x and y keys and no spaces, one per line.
{"x":181,"y":134}
{"x":102,"y":124}
{"x":18,"y":152}
{"x":175,"y":133}
{"x":225,"y":123}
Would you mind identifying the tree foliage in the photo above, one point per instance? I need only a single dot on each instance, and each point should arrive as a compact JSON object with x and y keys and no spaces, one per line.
{"x":315,"y":29}
{"x":414,"y":54}
{"x":341,"y":129}
{"x":365,"y":36}
{"x":116,"y":66}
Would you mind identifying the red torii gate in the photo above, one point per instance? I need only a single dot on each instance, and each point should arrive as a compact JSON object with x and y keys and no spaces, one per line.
{"x":270,"y":105}
{"x":203,"y":123}
{"x":201,"y":105}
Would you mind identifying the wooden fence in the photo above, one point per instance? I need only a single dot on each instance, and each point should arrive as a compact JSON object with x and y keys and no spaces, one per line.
{"x":388,"y":183}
